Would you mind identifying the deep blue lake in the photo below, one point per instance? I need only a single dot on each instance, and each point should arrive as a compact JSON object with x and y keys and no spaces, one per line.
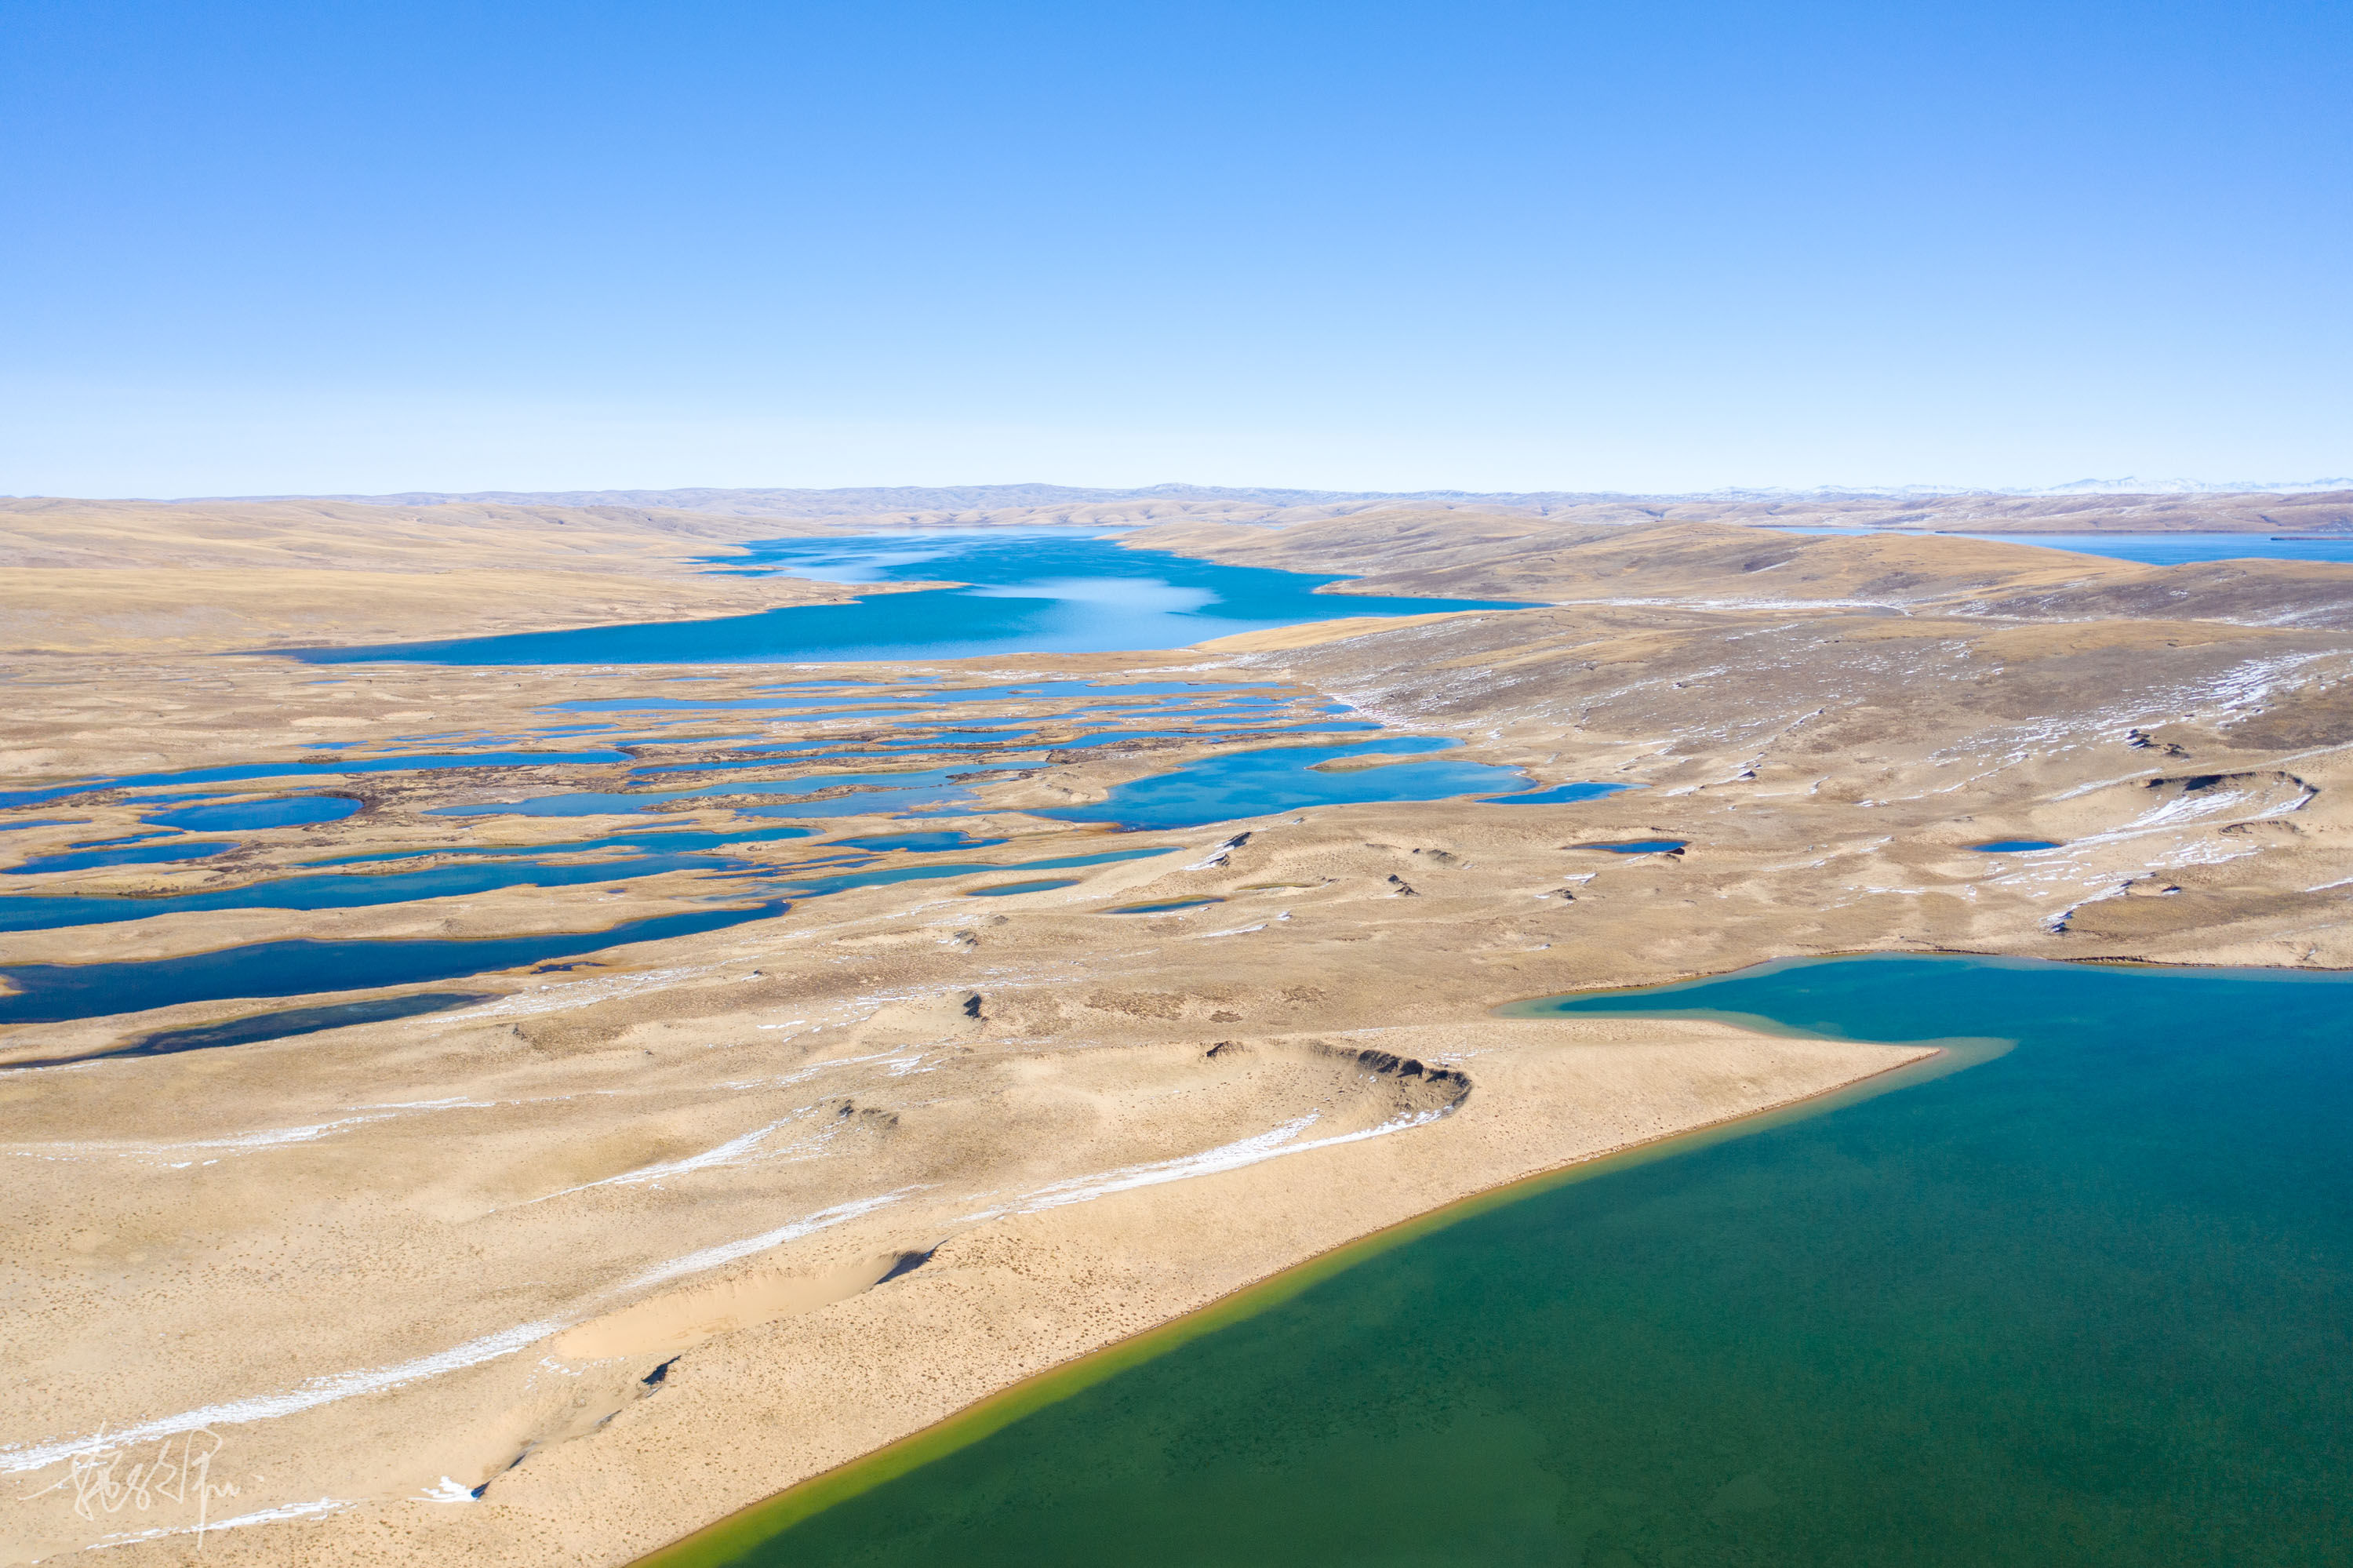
{"x":2086,"y":1302}
{"x":51,"y":993}
{"x":279,"y":1025}
{"x":1063,"y":591}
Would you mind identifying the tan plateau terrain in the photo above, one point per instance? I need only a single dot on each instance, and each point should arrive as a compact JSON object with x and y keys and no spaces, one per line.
{"x":90,"y":577}
{"x":828,"y":1176}
{"x":1723,"y":565}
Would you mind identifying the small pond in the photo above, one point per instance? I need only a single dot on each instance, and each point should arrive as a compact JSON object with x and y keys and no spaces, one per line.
{"x":282,"y":811}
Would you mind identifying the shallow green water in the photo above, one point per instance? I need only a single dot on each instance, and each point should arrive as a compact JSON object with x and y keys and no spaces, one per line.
{"x":2089,"y":1301}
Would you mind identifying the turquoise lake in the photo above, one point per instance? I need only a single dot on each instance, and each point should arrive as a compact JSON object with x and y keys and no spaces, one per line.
{"x":2086,"y":1301}
{"x":1026,"y":592}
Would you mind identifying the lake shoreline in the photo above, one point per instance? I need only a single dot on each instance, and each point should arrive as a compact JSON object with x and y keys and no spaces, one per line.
{"x":1757,"y":1321}
{"x":712,"y":1544}
{"x":720,"y":1543}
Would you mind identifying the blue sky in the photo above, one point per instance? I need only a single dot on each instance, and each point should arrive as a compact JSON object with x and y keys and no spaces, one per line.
{"x":1486,"y":246}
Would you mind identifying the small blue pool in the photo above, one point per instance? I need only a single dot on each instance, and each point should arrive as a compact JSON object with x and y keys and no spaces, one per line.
{"x":281,"y":812}
{"x":1007,"y":889}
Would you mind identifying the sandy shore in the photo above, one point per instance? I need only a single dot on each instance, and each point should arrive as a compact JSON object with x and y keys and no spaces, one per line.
{"x":1062,"y":1269}
{"x":985,"y":1416}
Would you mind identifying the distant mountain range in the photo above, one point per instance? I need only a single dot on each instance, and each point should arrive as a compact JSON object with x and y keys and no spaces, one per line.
{"x":2138,"y":486}
{"x":862,"y":501}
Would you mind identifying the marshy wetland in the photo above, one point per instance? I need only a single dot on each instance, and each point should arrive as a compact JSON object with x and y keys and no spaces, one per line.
{"x":532,"y":1087}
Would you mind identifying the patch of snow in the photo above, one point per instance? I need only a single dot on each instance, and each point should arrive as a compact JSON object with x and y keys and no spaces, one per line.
{"x":314,"y":1394}
{"x":712,"y":1256}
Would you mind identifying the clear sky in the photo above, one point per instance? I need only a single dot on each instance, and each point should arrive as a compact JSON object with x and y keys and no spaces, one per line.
{"x":277,"y":249}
